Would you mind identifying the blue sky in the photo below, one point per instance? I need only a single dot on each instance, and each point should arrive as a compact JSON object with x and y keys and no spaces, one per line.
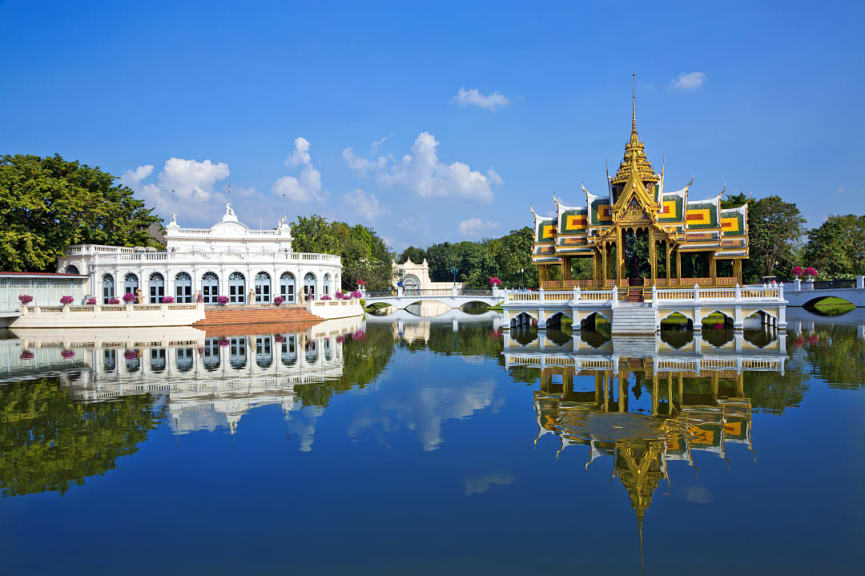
{"x":457,"y":115}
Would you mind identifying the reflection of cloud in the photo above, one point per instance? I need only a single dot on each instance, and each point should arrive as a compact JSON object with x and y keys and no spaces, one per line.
{"x":698,"y":495}
{"x":484,"y":483}
{"x":423,"y":409}
{"x":301,"y":425}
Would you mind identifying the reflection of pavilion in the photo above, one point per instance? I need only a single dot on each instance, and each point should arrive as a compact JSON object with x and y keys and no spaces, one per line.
{"x":697,"y":395}
{"x":208,"y":382}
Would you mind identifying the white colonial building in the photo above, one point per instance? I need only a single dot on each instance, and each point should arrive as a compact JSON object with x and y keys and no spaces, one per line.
{"x":228,"y":259}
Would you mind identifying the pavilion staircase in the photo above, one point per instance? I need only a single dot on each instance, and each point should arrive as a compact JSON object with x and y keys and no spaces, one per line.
{"x":219,"y":315}
{"x":634,"y":316}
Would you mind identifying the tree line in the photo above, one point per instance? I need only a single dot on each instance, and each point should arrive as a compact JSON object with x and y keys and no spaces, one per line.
{"x":47,"y":204}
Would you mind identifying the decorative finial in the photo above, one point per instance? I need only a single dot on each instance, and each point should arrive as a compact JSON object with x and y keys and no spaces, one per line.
{"x":634,"y":102}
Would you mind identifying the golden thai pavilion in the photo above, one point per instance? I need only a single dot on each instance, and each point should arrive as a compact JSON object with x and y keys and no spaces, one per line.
{"x":638,"y":211}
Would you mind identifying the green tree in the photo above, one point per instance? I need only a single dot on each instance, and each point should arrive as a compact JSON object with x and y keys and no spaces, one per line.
{"x":49,"y":442}
{"x":46,"y":204}
{"x":832,"y":247}
{"x":774,"y":231}
{"x":416,"y":255}
{"x":364,"y":254}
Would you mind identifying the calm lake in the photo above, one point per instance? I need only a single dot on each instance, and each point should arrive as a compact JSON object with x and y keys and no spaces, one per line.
{"x":423,"y":447}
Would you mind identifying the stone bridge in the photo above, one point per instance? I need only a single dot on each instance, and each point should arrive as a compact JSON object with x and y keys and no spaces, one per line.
{"x":453,"y":298}
{"x":805,"y":295}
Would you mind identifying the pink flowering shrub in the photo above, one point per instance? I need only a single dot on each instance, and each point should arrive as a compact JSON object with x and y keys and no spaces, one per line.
{"x":796,"y":271}
{"x":325,"y":297}
{"x":494,"y":281}
{"x":130,"y":297}
{"x":340,"y":295}
{"x":25,"y":299}
{"x":223,"y":300}
{"x":65,"y":300}
{"x":811,"y":271}
{"x":361,"y":283}
{"x":356,"y":294}
{"x":167,"y":299}
{"x":278,"y":300}
{"x":26,"y":355}
{"x":223,"y":342}
{"x":67,"y":353}
{"x":91,"y":301}
{"x":113,"y":301}
{"x":130,"y":354}
{"x":279,"y":338}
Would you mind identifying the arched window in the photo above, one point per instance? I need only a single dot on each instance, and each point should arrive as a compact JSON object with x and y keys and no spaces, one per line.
{"x":109,"y":360}
{"x":325,"y":284}
{"x":263,"y":351}
{"x":107,"y":288}
{"x":184,"y":358}
{"x":183,"y":288}
{"x":130,"y":283}
{"x":156,"y":282}
{"x":289,"y":350}
{"x":70,"y":269}
{"x":286,"y":286}
{"x":210,"y":288}
{"x":237,"y":288}
{"x":157,"y":359}
{"x":309,"y":286}
{"x":311,"y":351}
{"x":237,"y":352}
{"x":211,"y":354}
{"x":262,"y":288}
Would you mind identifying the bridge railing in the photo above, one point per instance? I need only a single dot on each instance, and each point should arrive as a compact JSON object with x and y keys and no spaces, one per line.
{"x":655,"y":295}
{"x":432,"y":292}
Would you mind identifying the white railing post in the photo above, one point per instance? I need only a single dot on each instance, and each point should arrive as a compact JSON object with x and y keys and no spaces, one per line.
{"x":696,"y":292}
{"x":613,"y":297}
{"x":780,"y":290}
{"x":541,"y":294}
{"x":577,"y":293}
{"x":738,"y":292}
{"x":654,"y":296}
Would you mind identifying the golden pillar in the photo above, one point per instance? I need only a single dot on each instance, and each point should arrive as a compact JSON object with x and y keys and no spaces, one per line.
{"x":623,"y":394}
{"x":740,"y":385}
{"x":655,"y":394}
{"x":620,"y":260}
{"x":678,"y":265}
{"x":599,"y":386}
{"x":737,"y":271}
{"x":653,"y":256}
{"x":713,"y":267}
{"x":668,"y":264}
{"x":605,"y":266}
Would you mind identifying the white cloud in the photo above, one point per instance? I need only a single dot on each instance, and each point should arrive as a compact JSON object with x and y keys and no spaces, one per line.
{"x":474,"y":97}
{"x":482,"y":484}
{"x":191,"y":181}
{"x":307,"y":186}
{"x":362,"y":166}
{"x":476,"y":226}
{"x":133,"y":178}
{"x":423,"y":174}
{"x":689,"y":81}
{"x":362,"y":204}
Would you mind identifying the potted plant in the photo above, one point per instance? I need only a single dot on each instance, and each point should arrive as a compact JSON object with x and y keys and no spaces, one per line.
{"x":339,"y":295}
{"x":278,"y":300}
{"x":67,"y":354}
{"x":495,"y":282}
{"x":222,"y":300}
{"x":810,"y":274}
{"x":325,"y":297}
{"x":25,"y":299}
{"x":130,"y":354}
{"x":356,"y":294}
{"x":224,"y":341}
{"x":91,"y":301}
{"x":113,"y":301}
{"x":279,"y":338}
{"x":26,"y":355}
{"x":66,"y":300}
{"x":129,"y":298}
{"x":167,"y":299}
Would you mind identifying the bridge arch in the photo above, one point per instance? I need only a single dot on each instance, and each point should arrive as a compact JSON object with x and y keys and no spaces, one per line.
{"x":728,"y":319}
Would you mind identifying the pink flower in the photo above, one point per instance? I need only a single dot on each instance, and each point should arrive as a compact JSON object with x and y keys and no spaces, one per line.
{"x":494,"y":281}
{"x":129,"y":297}
{"x":278,"y":300}
{"x":25,"y":298}
{"x":356,"y":294}
{"x":796,"y":271}
{"x":67,"y":300}
{"x":167,"y":300}
{"x":222,"y":300}
{"x":26,"y":355}
{"x":91,"y":301}
{"x":67,"y":353}
{"x":130,"y":354}
{"x":325,"y":297}
{"x":811,"y":271}
{"x":113,"y":301}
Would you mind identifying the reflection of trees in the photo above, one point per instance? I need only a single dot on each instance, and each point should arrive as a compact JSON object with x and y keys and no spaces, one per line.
{"x":48,"y":442}
{"x":836,"y":355}
{"x":364,"y":357}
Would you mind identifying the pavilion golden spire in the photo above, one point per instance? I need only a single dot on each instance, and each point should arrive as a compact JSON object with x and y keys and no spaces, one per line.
{"x":634,"y":150}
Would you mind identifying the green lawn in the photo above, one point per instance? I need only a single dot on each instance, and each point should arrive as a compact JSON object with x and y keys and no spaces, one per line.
{"x":833,"y":306}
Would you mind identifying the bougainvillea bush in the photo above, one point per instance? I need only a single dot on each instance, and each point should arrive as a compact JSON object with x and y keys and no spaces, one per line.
{"x":339,"y":295}
{"x":811,"y":271}
{"x":129,"y":297}
{"x":25,"y":298}
{"x":91,"y":301}
{"x":325,"y":297}
{"x":223,"y":300}
{"x":796,"y":271}
{"x":356,"y":294}
{"x":66,"y":300}
{"x":167,"y":300}
{"x":494,"y":281}
{"x":113,"y":301}
{"x":278,"y":300}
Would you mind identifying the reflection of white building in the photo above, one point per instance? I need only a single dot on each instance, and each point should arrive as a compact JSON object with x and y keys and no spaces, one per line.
{"x":207,"y":383}
{"x":227,"y":259}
